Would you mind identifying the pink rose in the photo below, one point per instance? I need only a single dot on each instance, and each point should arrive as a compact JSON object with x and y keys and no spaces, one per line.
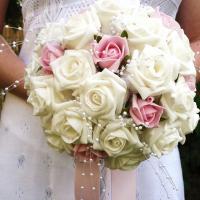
{"x":191,"y":82}
{"x":145,"y":112}
{"x":50,"y":52}
{"x":168,"y":21}
{"x":110,"y":52}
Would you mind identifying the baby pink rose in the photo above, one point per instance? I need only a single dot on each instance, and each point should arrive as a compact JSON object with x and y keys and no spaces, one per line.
{"x":50,"y":52}
{"x":168,"y":21}
{"x":145,"y":112}
{"x":191,"y":82}
{"x":110,"y":52}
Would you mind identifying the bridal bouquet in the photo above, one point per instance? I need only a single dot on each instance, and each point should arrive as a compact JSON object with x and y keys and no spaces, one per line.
{"x":118,"y":80}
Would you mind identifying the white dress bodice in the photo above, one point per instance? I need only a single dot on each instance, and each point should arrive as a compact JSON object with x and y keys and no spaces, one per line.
{"x":29,"y":168}
{"x":37,"y":13}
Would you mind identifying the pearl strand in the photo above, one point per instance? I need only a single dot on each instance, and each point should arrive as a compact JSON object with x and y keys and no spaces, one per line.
{"x":11,"y":87}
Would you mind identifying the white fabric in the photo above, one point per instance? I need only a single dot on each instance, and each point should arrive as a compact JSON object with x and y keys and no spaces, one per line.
{"x":29,"y":168}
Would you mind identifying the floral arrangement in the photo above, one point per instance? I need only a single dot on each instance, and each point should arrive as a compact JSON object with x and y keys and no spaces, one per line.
{"x":117,"y":79}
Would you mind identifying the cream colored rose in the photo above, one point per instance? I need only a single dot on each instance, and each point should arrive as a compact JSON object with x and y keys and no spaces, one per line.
{"x":57,"y":142}
{"x":31,"y":70}
{"x":179,"y":103}
{"x":54,"y":139}
{"x":52,"y":32}
{"x":72,"y":69}
{"x":141,"y":28}
{"x":68,"y":123}
{"x":180,"y":107}
{"x":163,"y":139}
{"x":81,"y":30}
{"x":180,"y":48}
{"x":106,"y":10}
{"x":115,"y":139}
{"x":41,"y":95}
{"x":151,"y":72}
{"x":126,"y":162}
{"x":103,"y":95}
{"x":188,"y":126}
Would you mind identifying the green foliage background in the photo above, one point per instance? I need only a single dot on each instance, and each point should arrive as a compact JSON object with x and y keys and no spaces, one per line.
{"x":190,"y":152}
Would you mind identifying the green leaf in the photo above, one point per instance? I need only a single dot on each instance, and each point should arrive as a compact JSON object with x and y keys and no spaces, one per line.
{"x":124,"y":34}
{"x":97,"y":38}
{"x":124,"y":61}
{"x":39,"y":68}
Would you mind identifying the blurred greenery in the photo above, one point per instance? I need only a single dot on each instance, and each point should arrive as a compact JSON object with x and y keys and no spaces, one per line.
{"x":190,"y":152}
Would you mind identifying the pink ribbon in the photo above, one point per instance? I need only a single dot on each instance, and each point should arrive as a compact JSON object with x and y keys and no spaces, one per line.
{"x":121,"y":184}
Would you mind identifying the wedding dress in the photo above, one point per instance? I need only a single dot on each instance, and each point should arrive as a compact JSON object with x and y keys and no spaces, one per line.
{"x":29,"y":168}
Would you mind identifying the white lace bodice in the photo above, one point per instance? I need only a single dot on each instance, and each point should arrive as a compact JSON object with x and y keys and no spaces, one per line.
{"x":37,"y":13}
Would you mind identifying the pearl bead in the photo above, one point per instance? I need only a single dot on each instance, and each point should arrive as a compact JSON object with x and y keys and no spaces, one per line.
{"x":6,"y":89}
{"x":104,"y":190}
{"x":93,"y":188}
{"x":2,"y":44}
{"x":99,"y":125}
{"x":140,"y":127}
{"x":17,"y":82}
{"x":6,"y":26}
{"x":125,"y":113}
{"x":3,"y":93}
{"x":1,"y":50}
{"x":82,"y":187}
{"x":91,"y":174}
{"x":14,"y":86}
{"x":83,"y":174}
{"x":90,"y":118}
{"x":136,"y":128}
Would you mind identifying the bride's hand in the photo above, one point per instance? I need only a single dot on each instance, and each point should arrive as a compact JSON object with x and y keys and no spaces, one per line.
{"x":11,"y":66}
{"x":189,"y":18}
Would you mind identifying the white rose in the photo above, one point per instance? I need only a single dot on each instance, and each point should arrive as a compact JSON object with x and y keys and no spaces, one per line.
{"x":68,"y":122}
{"x":142,"y":30}
{"x":57,"y":142}
{"x":180,"y":48}
{"x":52,"y":137}
{"x":52,"y":32}
{"x":103,"y":95}
{"x":179,"y":103}
{"x":81,"y":30}
{"x":31,"y":70}
{"x":180,"y":107}
{"x":163,"y":139}
{"x":126,"y":162}
{"x":151,"y":72}
{"x":41,"y":94}
{"x":115,"y":139}
{"x":106,"y":10}
{"x":72,"y":69}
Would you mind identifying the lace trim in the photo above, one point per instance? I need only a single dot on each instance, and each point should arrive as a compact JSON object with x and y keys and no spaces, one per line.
{"x":38,"y":13}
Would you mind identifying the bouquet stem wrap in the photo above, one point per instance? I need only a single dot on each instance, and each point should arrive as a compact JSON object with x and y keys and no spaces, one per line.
{"x":88,"y":175}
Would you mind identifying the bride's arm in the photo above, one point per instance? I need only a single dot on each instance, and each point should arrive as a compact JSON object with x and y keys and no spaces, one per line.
{"x":189,"y":18}
{"x":11,"y":66}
